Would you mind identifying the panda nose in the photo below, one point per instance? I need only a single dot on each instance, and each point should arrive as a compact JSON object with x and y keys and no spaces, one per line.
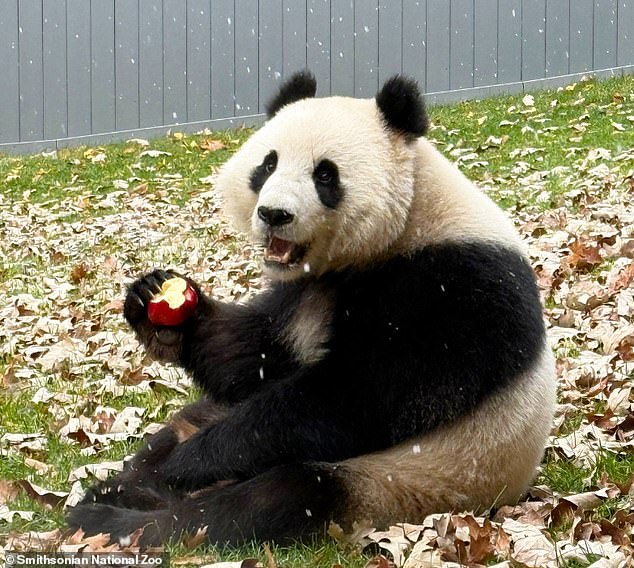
{"x":274,"y":217}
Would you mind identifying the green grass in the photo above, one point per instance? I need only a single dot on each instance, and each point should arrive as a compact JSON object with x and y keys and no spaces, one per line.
{"x":467,"y":128}
{"x":75,"y":172}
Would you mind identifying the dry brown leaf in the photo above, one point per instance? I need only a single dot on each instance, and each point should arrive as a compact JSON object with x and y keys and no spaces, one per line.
{"x":45,"y":497}
{"x":9,"y":490}
{"x":211,"y":145}
{"x":380,"y":561}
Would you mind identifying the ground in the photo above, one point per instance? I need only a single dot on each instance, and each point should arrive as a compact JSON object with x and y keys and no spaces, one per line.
{"x":77,"y":394}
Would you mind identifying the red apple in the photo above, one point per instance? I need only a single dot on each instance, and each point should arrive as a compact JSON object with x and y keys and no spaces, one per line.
{"x":174,"y":304}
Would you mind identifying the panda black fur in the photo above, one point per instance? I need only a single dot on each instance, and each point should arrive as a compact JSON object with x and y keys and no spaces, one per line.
{"x":396,"y":365}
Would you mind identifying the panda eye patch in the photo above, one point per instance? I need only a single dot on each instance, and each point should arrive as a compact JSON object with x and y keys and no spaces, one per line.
{"x":326,"y":178}
{"x":261,"y":173}
{"x":269,"y":166}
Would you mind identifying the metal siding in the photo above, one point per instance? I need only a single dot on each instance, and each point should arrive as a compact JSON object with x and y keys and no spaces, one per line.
{"x":318,"y":43}
{"x":461,"y":44}
{"x":485,"y":49}
{"x":604,"y":34}
{"x":533,"y":39}
{"x":102,"y":74}
{"x":9,"y":66}
{"x":342,"y":47}
{"x":438,"y":40}
{"x":271,"y":54}
{"x":150,"y":63}
{"x":294,"y":30}
{"x":390,"y":38}
{"x":79,"y":68}
{"x":366,"y":48}
{"x":31,"y":75}
{"x":625,"y":53}
{"x":126,"y":64}
{"x":414,"y":39}
{"x":174,"y":61}
{"x":581,"y":30}
{"x":198,"y":60}
{"x":509,"y":41}
{"x":246,"y":57}
{"x":222,"y":59}
{"x":557,"y":37}
{"x":54,"y":68}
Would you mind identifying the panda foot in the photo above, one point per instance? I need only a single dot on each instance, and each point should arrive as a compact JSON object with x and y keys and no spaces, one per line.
{"x":123,"y":525}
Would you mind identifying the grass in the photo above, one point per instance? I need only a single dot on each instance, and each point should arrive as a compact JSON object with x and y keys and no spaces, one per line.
{"x":499,"y":142}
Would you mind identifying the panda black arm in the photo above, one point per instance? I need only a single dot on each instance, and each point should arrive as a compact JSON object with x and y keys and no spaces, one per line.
{"x":228,"y":348}
{"x":296,"y":420}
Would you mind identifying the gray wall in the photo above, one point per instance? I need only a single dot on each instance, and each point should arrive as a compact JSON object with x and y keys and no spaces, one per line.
{"x":90,"y":71}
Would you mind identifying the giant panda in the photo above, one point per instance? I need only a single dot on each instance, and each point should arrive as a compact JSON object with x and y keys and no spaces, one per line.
{"x":395,"y":365}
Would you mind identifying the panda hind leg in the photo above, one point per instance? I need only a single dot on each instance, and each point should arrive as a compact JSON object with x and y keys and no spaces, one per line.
{"x":284,"y":504}
{"x":139,"y":486}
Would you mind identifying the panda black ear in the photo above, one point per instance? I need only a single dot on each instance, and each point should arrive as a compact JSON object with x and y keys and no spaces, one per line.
{"x":402,"y":106}
{"x":300,"y":85}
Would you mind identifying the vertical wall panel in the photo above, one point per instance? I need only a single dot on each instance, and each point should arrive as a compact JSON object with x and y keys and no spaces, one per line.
{"x":294,"y":26}
{"x":509,"y":41}
{"x":390,"y":38}
{"x":366,"y":48}
{"x":438,"y":38}
{"x":126,"y":64}
{"x":270,"y":54}
{"x":222,"y":58}
{"x":557,"y":37}
{"x":461,"y":46}
{"x":174,"y":61}
{"x":342,"y":47}
{"x":318,"y":43}
{"x":150,"y":63}
{"x":604,"y":34}
{"x":76,"y":67}
{"x":198,"y":60}
{"x":414,"y":39}
{"x":31,"y":75}
{"x":79,"y":68}
{"x":581,"y":26}
{"x":54,"y":64}
{"x":485,"y":50}
{"x":102,"y":74}
{"x":533,"y":39}
{"x":9,"y":66}
{"x":246,"y":57}
{"x":625,"y":32}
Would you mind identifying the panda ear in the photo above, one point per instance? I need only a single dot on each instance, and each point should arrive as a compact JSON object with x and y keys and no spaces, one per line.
{"x":300,"y":85}
{"x":402,"y":106}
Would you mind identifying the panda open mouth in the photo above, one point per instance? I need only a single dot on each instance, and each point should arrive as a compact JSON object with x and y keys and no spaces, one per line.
{"x":282,"y":252}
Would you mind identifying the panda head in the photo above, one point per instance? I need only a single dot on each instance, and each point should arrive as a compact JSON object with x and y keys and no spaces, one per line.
{"x":326,"y":183}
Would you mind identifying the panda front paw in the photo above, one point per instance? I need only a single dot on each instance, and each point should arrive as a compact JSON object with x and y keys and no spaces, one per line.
{"x":161,"y":342}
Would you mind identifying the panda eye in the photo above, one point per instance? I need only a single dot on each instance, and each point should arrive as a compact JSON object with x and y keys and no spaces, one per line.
{"x":269,"y":166}
{"x":325,"y":173}
{"x":324,"y":176}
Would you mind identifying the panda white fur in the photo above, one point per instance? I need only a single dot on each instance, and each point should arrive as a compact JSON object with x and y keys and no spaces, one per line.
{"x":395,"y":366}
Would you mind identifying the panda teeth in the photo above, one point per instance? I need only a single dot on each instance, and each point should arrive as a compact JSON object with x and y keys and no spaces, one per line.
{"x":279,"y":250}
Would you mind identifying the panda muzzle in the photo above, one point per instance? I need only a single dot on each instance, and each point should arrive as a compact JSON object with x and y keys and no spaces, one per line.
{"x":281,"y":251}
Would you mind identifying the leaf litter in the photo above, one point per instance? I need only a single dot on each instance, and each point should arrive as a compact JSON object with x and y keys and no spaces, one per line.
{"x":66,"y":263}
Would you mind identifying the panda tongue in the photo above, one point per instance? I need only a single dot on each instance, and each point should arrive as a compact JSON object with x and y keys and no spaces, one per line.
{"x":279,"y":250}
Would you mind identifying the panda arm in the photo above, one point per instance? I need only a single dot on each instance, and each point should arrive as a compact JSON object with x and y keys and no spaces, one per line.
{"x":235,"y":350}
{"x":231,"y":350}
{"x":297,"y":420}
